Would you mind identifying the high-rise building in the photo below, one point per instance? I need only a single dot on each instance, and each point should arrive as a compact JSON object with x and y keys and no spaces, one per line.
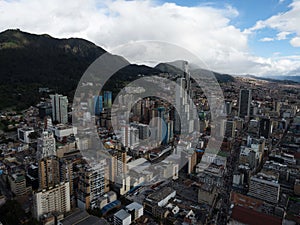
{"x":245,"y":99}
{"x":46,"y":145}
{"x":162,"y":127}
{"x":230,"y":127}
{"x":91,"y":185}
{"x":118,"y":164}
{"x":143,"y":131}
{"x":49,"y":172}
{"x":228,"y":107}
{"x":98,"y":105}
{"x":45,"y":109}
{"x":265,"y":127}
{"x":130,"y":136}
{"x":59,"y":108}
{"x":107,"y":95}
{"x":56,"y":199}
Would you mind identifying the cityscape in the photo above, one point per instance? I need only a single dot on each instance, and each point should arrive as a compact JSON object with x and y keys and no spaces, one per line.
{"x":90,"y":136}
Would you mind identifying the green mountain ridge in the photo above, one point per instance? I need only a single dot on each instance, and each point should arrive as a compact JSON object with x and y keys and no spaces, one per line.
{"x":30,"y":61}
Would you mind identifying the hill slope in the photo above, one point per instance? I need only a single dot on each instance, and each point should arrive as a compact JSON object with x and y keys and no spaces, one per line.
{"x":29,"y":61}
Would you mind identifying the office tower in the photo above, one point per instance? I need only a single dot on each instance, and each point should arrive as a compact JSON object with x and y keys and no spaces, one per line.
{"x":143,"y":131}
{"x":45,"y":109}
{"x":59,"y":108}
{"x":107,"y":99}
{"x":245,"y":99}
{"x":265,"y":127}
{"x":162,"y":126}
{"x":230,"y":127}
{"x":91,"y":185}
{"x":45,"y":145}
{"x":98,"y":105}
{"x":56,"y":199}
{"x":228,"y":107}
{"x":66,"y":173}
{"x":49,"y":172}
{"x":130,"y":136}
{"x":118,"y":164}
{"x":265,"y":189}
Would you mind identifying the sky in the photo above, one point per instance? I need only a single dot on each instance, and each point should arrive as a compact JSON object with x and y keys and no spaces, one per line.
{"x":258,"y":37}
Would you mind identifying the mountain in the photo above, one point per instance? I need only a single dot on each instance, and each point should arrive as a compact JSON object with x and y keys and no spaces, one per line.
{"x":278,"y":79}
{"x":174,"y":68}
{"x":30,"y":61}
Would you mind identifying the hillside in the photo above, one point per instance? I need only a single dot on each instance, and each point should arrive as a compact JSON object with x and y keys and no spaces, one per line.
{"x":30,"y":61}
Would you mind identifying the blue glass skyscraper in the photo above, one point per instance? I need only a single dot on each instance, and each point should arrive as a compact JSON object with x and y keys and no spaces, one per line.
{"x":107,"y":99}
{"x":98,"y":105}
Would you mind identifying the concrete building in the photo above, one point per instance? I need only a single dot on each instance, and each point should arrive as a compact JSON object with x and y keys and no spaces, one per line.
{"x":46,"y":145}
{"x":158,"y":199}
{"x":23,"y":134}
{"x":55,"y":199}
{"x":62,"y":131}
{"x":17,"y":184}
{"x":49,"y":172}
{"x":91,"y":185}
{"x":122,"y":218}
{"x":136,"y":210}
{"x":264,"y":188}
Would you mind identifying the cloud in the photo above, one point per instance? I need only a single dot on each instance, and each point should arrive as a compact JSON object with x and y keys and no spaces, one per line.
{"x":282,"y":35}
{"x":285,"y":23}
{"x":204,"y":30}
{"x":266,"y":39}
{"x":295,"y":42}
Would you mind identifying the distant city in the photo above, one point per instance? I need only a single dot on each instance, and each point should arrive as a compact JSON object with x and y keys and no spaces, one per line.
{"x":156,"y":168}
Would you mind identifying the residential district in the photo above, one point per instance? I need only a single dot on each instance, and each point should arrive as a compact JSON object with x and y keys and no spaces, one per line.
{"x":160,"y":166}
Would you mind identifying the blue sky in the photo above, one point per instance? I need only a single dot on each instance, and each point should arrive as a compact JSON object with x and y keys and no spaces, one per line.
{"x":234,"y":36}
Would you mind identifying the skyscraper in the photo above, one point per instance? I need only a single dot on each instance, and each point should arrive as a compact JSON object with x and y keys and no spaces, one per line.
{"x":107,"y":99}
{"x":91,"y":184}
{"x":45,"y":145}
{"x":98,"y":105}
{"x":49,"y":172}
{"x":59,"y":108}
{"x":56,"y":199}
{"x":265,"y":127}
{"x":245,"y":102}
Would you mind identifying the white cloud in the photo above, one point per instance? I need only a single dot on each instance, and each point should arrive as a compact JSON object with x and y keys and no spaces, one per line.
{"x":282,"y":35}
{"x":285,"y":23}
{"x":266,"y":39}
{"x":295,"y":42}
{"x":204,"y":30}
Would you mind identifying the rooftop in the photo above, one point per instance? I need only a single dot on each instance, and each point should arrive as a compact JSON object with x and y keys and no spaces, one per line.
{"x":122,"y":214}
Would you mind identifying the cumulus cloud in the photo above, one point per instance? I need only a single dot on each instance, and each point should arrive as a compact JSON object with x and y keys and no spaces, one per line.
{"x":204,"y":30}
{"x":285,"y":23}
{"x":295,"y":42}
